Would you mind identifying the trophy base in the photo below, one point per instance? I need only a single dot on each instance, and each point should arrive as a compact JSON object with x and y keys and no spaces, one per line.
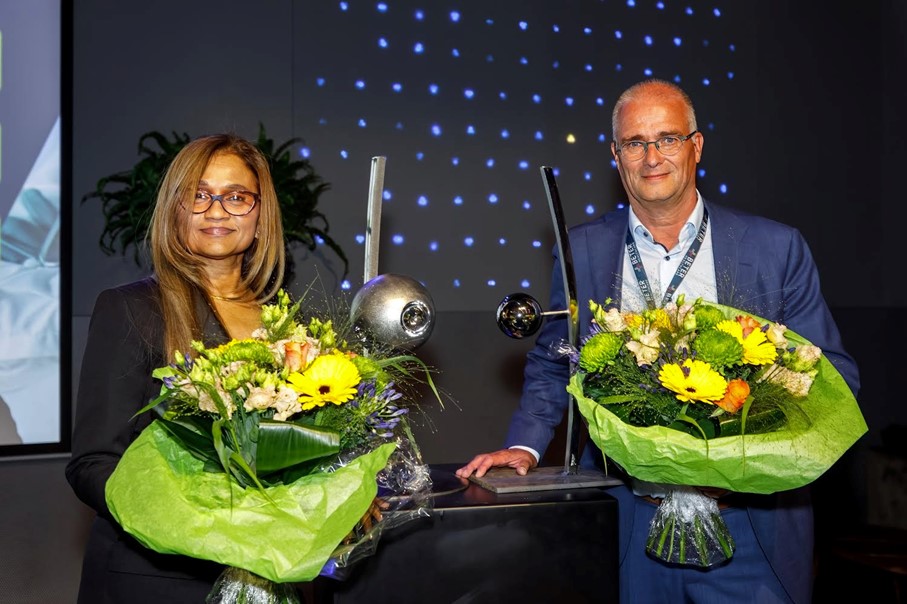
{"x":506,"y":480}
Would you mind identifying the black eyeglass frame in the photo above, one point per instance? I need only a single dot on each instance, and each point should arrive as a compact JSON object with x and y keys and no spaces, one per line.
{"x":255,"y":197}
{"x":657,"y":143}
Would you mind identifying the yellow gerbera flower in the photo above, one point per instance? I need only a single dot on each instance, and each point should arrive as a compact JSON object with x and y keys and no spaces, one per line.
{"x":757,"y":349}
{"x":331,"y":378}
{"x":694,"y":381}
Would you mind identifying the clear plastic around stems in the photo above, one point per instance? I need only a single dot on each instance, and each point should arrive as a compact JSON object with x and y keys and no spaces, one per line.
{"x":688,"y":529}
{"x":404,"y":494}
{"x":238,"y":586}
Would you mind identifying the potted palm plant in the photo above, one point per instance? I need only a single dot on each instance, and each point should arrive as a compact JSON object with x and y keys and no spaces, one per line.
{"x":127,"y":197}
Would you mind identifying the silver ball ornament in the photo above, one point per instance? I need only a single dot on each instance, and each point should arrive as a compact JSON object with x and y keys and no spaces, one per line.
{"x":394,"y":310}
{"x":519,"y":315}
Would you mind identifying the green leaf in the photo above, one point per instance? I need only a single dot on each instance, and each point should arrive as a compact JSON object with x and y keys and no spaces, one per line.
{"x":285,"y":444}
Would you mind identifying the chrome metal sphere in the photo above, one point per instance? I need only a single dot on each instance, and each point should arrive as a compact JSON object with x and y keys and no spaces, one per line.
{"x":395,"y":310}
{"x":519,"y":315}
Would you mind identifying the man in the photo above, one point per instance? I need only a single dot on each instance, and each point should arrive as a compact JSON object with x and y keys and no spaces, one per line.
{"x":737,"y":259}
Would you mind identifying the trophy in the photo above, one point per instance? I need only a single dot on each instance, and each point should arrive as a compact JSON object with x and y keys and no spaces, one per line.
{"x":394,"y":310}
{"x":520,"y":315}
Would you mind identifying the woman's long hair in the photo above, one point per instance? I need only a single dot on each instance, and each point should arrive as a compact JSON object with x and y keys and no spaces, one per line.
{"x":178,"y":271}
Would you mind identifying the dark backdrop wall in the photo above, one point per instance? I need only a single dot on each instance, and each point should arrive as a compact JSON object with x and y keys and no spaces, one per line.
{"x":800,"y":112}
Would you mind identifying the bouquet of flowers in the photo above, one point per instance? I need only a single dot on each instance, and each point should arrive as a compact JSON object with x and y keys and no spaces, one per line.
{"x":705,"y":395}
{"x":278,"y":456}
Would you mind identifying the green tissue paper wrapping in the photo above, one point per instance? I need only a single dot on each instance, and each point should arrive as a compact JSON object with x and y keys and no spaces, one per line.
{"x":160,"y":494}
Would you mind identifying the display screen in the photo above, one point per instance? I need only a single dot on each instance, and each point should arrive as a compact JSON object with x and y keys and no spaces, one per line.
{"x":31,"y":175}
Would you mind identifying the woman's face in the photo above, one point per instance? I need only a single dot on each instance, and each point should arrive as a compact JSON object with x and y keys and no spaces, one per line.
{"x":215,"y":233}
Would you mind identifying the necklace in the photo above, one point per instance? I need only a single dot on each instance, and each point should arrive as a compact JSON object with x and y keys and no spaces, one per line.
{"x":225,"y":298}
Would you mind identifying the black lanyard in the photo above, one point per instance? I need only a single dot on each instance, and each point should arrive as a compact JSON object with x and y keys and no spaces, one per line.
{"x":682,"y":270}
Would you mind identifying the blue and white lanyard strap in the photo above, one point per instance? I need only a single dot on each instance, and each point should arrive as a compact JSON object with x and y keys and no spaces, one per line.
{"x":643,"y":280}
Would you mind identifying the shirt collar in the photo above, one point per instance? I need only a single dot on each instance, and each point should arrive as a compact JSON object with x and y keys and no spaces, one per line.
{"x":642,"y":236}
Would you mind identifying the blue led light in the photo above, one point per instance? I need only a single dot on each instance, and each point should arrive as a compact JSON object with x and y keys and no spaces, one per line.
{"x":568,"y":101}
{"x":360,"y":239}
{"x":397,"y":239}
{"x":322,"y":121}
{"x":454,"y":52}
{"x":587,"y":176}
{"x":344,"y":6}
{"x":397,"y":87}
{"x":436,"y":130}
{"x":469,"y":93}
{"x":701,"y":172}
{"x":660,"y":5}
{"x":590,"y":209}
{"x":505,"y":133}
{"x":587,"y":31}
{"x":319,"y":82}
{"x":470,"y":129}
{"x":455,"y":161}
{"x":601,"y":137}
{"x":677,"y":78}
{"x":536,"y":98}
{"x":600,"y":101}
{"x":360,"y":84}
{"x":523,"y":25}
{"x":502,"y":95}
{"x":382,"y":42}
{"x":433,"y":89}
{"x":631,"y":3}
{"x":556,"y":171}
{"x":319,"y":240}
{"x":489,"y":21}
{"x":527,"y":205}
{"x":677,"y":41}
{"x":305,"y":152}
{"x":502,"y":241}
{"x":733,"y":47}
{"x":419,"y":15}
{"x":419,"y":156}
{"x":588,"y":67}
{"x":492,"y":199}
{"x":458,"y":201}
{"x":361,"y":123}
{"x":422,"y":201}
{"x":722,"y":188}
{"x":433,"y":246}
{"x":618,"y":34}
{"x":555,"y":65}
{"x":382,"y":7}
{"x":489,"y":58}
{"x":468,"y":241}
{"x":491,"y":282}
{"x":524,"y":61}
{"x":387,"y":195}
{"x":454,"y":16}
{"x":456,"y":283}
{"x":618,"y":67}
{"x":524,"y":283}
{"x":555,"y":28}
{"x":536,"y":243}
{"x":489,"y":163}
{"x":689,"y":10}
{"x":706,"y":81}
{"x":344,"y":154}
{"x":716,"y":12}
{"x":648,"y":72}
{"x":523,"y":165}
{"x":399,"y":125}
{"x":345,"y":284}
{"x":648,"y":40}
{"x":539,"y":136}
{"x":730,"y":75}
{"x":418,"y":48}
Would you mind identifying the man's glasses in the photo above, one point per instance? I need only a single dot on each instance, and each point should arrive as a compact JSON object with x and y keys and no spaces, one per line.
{"x":236,"y":203}
{"x":666,"y":145}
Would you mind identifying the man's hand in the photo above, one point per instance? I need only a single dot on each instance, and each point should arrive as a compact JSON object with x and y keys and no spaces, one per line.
{"x":519,"y":459}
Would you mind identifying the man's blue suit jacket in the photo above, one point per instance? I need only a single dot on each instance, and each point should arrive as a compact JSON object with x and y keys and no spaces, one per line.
{"x":761,"y":266}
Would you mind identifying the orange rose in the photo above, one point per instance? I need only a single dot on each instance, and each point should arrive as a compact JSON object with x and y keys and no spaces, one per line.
{"x":748,"y":324}
{"x":734,"y":396}
{"x":295,"y":354}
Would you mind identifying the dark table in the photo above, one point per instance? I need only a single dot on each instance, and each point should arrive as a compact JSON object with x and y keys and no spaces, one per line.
{"x":480,"y":546}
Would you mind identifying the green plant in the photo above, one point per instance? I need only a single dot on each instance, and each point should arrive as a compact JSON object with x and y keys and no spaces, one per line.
{"x":127,"y":197}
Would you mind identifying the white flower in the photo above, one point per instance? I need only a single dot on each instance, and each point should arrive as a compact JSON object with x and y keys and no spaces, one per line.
{"x":794,"y":382}
{"x":614,"y":321}
{"x":775,"y":335}
{"x":259,"y":399}
{"x":646,"y":348}
{"x":286,"y":403}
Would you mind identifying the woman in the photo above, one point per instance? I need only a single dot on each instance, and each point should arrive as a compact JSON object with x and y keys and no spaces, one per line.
{"x":218,"y":254}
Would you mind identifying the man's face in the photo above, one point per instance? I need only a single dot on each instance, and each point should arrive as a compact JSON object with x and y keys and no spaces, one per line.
{"x":656,"y":179}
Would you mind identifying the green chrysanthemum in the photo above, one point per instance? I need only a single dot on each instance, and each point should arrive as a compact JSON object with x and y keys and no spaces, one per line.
{"x":600,"y":351}
{"x":718,"y":348}
{"x":707,"y":317}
